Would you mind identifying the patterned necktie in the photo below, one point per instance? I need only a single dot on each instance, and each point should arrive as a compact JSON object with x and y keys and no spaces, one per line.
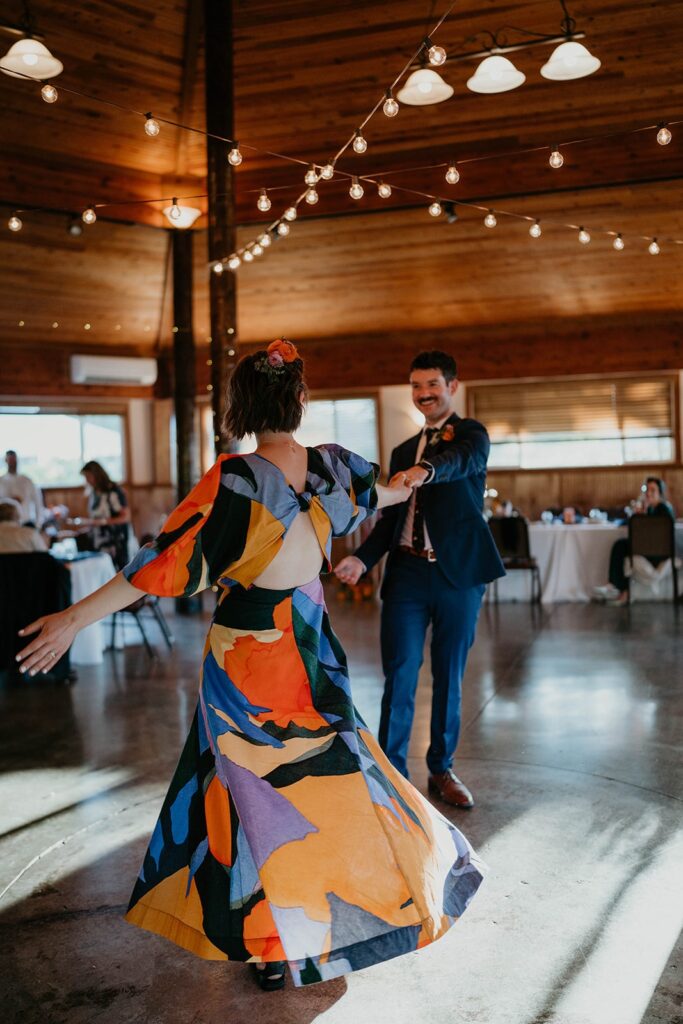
{"x":419,"y":517}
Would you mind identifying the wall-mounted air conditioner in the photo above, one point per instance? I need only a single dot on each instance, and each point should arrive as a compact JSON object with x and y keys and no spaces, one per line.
{"x":121,"y":370}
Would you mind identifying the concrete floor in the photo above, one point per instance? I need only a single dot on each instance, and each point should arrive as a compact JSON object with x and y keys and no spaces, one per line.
{"x":573,"y":721}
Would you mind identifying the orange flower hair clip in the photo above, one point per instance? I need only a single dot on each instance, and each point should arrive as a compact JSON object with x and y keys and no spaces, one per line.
{"x":278,"y":353}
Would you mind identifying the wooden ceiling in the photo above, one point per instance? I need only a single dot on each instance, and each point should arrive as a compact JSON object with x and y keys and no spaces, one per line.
{"x":305,"y":74}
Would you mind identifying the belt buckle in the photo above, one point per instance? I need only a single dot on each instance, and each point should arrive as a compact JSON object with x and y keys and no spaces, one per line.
{"x":431,"y":556}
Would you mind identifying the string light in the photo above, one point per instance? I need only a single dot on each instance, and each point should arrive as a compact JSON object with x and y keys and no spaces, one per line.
{"x":618,"y":242}
{"x":490,"y":219}
{"x":217,"y":267}
{"x":435,"y":209}
{"x":248,"y":256}
{"x":663,"y":135}
{"x":152,"y":127}
{"x":55,"y":325}
{"x":265,"y":240}
{"x":556,"y":159}
{"x":390,"y":106}
{"x":327,"y":172}
{"x":257,"y":249}
{"x":234,"y":262}
{"x":290,"y":213}
{"x":89,"y":216}
{"x":283,"y":228}
{"x":359,"y":143}
{"x":312,"y":196}
{"x":452,"y":175}
{"x":356,"y":191}
{"x":311,"y":176}
{"x":436,"y":55}
{"x":263,"y":202}
{"x":383,"y":190}
{"x":234,"y":156}
{"x":535,"y":229}
{"x":653,"y":248}
{"x":87,"y":327}
{"x":175,"y":212}
{"x":49,"y":94}
{"x":584,"y":236}
{"x":14,"y":223}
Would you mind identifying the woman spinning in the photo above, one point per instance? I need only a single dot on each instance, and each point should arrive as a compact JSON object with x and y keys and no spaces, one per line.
{"x":286,"y":836}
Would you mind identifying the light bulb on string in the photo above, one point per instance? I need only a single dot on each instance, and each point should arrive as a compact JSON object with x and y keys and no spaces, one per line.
{"x":175,"y":212}
{"x":152,"y":127}
{"x":435,"y":209}
{"x":556,"y":159}
{"x":584,"y":236}
{"x":312,"y":197}
{"x":311,"y":176}
{"x":383,"y":190}
{"x":234,"y":156}
{"x":89,"y":216}
{"x":436,"y":55}
{"x":248,"y":256}
{"x":452,"y":175}
{"x":359,"y":143}
{"x":217,"y":267}
{"x":618,"y":242}
{"x":283,"y":228}
{"x":234,"y":261}
{"x":535,"y":229}
{"x":356,"y":191}
{"x":653,"y":248}
{"x":390,"y":106}
{"x":327,"y":172}
{"x":263,"y":202}
{"x":490,"y":219}
{"x":663,"y":135}
{"x":49,"y":94}
{"x":14,"y":223}
{"x":257,"y":249}
{"x":265,"y":240}
{"x":290,"y":213}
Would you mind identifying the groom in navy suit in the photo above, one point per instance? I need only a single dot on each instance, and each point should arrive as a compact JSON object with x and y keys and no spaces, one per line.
{"x":441,"y":556}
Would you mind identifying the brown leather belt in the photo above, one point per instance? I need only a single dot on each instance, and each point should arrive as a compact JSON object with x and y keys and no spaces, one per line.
{"x":427,"y":553}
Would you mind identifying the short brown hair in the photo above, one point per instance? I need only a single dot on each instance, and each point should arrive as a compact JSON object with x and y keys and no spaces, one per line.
{"x":258,"y":400}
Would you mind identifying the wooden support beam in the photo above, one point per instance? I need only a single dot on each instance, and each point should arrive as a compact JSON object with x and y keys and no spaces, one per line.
{"x":184,"y":388}
{"x":218,"y":46}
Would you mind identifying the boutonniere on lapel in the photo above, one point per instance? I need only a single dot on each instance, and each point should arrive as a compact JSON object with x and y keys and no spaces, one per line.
{"x":447,"y":433}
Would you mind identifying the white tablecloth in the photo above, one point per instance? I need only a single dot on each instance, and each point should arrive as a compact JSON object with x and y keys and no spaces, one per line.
{"x":87,"y":575}
{"x":572,"y":560}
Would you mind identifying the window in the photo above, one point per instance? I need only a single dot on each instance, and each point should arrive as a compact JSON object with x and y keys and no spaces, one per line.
{"x":52,"y":446}
{"x":351,"y":422}
{"x":567,"y":423}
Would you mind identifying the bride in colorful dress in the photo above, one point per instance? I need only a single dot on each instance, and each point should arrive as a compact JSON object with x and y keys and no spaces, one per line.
{"x":286,"y":837}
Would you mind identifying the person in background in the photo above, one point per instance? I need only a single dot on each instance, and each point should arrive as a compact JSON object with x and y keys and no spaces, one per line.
{"x":23,"y":490}
{"x":109,"y":513}
{"x":653,"y":503}
{"x":15,"y":538}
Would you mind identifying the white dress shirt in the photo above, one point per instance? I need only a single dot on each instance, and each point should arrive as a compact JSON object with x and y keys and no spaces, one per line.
{"x":25,"y":492}
{"x":407,"y":534}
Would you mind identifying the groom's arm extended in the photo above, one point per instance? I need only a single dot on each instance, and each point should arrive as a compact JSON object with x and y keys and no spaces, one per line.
{"x":379,"y":540}
{"x":465,"y":456}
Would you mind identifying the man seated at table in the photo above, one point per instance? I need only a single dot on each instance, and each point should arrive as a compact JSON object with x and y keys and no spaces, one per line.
{"x":653,"y":503}
{"x":15,"y":538}
{"x":20,"y":487}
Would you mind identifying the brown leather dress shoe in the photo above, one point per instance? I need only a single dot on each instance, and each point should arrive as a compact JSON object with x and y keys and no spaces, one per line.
{"x":452,"y":791}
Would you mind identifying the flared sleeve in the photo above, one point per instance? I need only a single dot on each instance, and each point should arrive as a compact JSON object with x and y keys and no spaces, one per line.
{"x":354,"y":494}
{"x":204,"y":534}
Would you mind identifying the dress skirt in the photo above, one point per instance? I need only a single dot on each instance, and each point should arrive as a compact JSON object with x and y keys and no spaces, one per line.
{"x":286,"y":834}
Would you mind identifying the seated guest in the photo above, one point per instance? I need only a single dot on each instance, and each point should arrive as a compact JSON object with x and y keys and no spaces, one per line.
{"x":653,"y":503}
{"x":23,"y":490}
{"x":109,"y":513}
{"x":15,"y":538}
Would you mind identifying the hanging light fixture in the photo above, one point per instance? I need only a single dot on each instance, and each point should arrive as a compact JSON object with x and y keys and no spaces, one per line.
{"x":584,"y":236}
{"x":568,"y":61}
{"x":234,"y":262}
{"x":265,"y":240}
{"x":490,"y":219}
{"x":556,"y":159}
{"x":435,"y":209}
{"x":234,"y":156}
{"x":14,"y":223}
{"x":283,"y":228}
{"x":618,"y":242}
{"x":248,"y":256}
{"x":663,"y":135}
{"x":290,"y":213}
{"x":390,"y":106}
{"x":359,"y":143}
{"x":653,"y":248}
{"x":356,"y":191}
{"x":535,"y":229}
{"x":152,"y":126}
{"x":423,"y":87}
{"x":452,"y":175}
{"x":312,"y":196}
{"x":327,"y":172}
{"x":49,"y":94}
{"x":27,"y":58}
{"x":263,"y":202}
{"x":89,"y":216}
{"x":383,"y":190}
{"x":217,"y":268}
{"x":181,"y":216}
{"x":436,"y":55}
{"x":495,"y":74}
{"x":311,"y":176}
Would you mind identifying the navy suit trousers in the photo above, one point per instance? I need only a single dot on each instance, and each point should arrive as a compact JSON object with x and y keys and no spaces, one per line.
{"x":416,"y":593}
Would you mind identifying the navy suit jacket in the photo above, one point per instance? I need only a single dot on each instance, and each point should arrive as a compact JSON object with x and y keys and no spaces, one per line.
{"x":453,"y":508}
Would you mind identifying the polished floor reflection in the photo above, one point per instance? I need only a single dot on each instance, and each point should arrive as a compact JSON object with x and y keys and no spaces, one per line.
{"x":573,"y":722}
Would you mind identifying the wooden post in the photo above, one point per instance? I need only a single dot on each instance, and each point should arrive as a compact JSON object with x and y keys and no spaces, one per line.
{"x":219,"y":101}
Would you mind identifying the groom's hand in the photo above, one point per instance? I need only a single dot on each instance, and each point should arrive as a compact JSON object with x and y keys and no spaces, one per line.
{"x":349,"y":570}
{"x":415,"y":476}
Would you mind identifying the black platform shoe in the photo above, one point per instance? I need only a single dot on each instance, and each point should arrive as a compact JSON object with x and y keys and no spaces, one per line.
{"x":270,"y":976}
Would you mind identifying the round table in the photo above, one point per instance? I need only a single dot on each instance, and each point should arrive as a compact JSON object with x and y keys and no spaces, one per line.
{"x":87,"y":576}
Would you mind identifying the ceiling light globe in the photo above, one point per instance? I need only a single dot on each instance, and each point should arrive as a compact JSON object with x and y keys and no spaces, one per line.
{"x":568,"y":61}
{"x":28,"y":58}
{"x":423,"y":87}
{"x":495,"y":74}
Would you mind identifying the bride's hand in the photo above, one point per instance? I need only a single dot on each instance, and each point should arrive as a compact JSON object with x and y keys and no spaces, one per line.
{"x":399,"y":486}
{"x":55,"y":635}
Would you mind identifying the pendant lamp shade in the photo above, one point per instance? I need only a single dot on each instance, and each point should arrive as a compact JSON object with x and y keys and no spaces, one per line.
{"x":495,"y":74}
{"x":188,"y":215}
{"x":569,"y":60}
{"x":29,"y":58}
{"x":424,"y":86}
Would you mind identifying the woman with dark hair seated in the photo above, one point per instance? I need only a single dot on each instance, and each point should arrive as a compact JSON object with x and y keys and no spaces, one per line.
{"x":109,"y":513}
{"x":653,"y":503}
{"x":286,"y":837}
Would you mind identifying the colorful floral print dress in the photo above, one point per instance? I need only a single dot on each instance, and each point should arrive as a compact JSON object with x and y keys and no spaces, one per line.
{"x":286,"y":833}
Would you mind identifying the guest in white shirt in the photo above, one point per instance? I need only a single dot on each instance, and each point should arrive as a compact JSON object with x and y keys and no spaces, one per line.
{"x":23,"y":490}
{"x":15,"y":538}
